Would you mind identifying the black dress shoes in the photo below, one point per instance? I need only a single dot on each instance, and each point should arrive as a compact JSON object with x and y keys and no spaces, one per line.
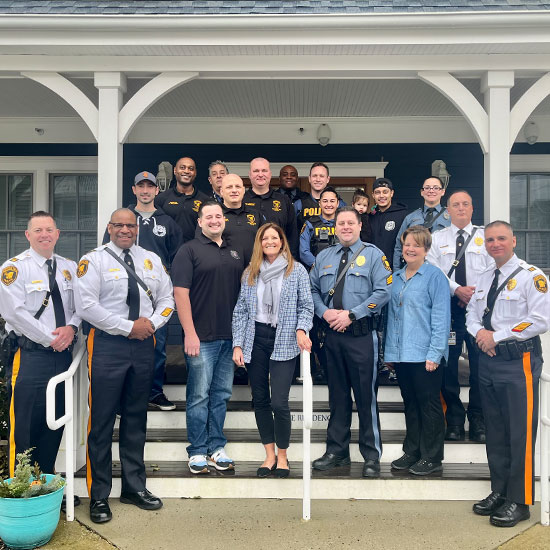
{"x":142,"y":499}
{"x":510,"y":514}
{"x":489,"y":504}
{"x":371,"y":468}
{"x":64,"y":502}
{"x":404,"y":462}
{"x":477,"y":430}
{"x":455,"y":433}
{"x":100,"y":511}
{"x":329,"y":461}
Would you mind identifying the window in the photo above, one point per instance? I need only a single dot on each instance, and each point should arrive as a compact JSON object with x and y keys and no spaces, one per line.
{"x":73,"y":200}
{"x":15,"y":209}
{"x":530,"y":217}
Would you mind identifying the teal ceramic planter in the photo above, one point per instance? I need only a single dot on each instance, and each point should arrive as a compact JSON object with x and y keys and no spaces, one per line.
{"x":30,"y":522}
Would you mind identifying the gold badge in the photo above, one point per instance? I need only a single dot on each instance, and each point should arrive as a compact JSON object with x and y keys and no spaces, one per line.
{"x":9,"y":275}
{"x":541,"y":284}
{"x":67,"y":275}
{"x":360,"y":260}
{"x":148,"y":264}
{"x":82,"y":268}
{"x":251,"y":219}
{"x":166,"y":311}
{"x":386,"y":263}
{"x":511,"y":284}
{"x":478,"y":241}
{"x":276,"y":206}
{"x":197,"y":205}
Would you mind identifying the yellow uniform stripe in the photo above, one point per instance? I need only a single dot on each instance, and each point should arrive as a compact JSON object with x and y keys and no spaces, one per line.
{"x":15,"y":372}
{"x":90,"y":345}
{"x":529,"y":429}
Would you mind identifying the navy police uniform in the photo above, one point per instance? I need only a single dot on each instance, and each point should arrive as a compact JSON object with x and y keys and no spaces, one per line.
{"x":350,"y":354}
{"x":25,"y":285}
{"x":308,"y":207}
{"x":316,"y":235}
{"x":509,"y":381}
{"x":120,"y":369}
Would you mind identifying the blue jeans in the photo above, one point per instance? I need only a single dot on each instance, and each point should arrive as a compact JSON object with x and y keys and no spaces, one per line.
{"x":160,"y":362}
{"x":209,"y":387}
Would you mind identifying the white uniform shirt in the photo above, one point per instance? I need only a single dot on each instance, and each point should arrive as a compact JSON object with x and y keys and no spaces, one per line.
{"x":522,"y":308}
{"x":23,"y":288}
{"x":102,"y":289}
{"x":443,"y":253}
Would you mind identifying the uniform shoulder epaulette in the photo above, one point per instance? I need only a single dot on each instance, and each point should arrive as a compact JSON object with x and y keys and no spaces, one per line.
{"x":443,"y":229}
{"x":20,"y":257}
{"x":528,"y":267}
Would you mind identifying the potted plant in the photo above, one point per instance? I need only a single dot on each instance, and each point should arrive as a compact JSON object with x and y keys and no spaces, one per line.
{"x":30,"y":504}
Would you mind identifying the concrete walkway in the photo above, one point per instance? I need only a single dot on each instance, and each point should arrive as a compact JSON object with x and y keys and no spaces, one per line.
{"x":266,"y":524}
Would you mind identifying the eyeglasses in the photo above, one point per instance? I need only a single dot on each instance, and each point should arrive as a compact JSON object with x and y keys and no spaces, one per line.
{"x":121,"y":225}
{"x":432,"y":188}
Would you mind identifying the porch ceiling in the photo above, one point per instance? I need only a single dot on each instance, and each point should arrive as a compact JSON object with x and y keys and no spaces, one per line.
{"x":263,"y":99}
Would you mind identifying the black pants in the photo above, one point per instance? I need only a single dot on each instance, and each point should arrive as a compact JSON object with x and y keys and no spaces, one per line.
{"x":509,"y":394}
{"x":423,"y":410}
{"x":455,"y":413}
{"x":272,"y":411}
{"x":28,"y":378}
{"x":351,"y":364}
{"x":121,"y":372}
{"x":316,"y":347}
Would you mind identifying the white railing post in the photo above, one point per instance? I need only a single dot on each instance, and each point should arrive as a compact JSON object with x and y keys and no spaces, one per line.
{"x":54,"y":423}
{"x":307,"y":388}
{"x":544,"y":448}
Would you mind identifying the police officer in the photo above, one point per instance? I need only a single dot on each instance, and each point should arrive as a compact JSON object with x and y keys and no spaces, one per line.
{"x":217,"y":169}
{"x":459,"y":251}
{"x":271,"y":206}
{"x":289,"y":183}
{"x":348,"y":305}
{"x":507,"y":314}
{"x":183,"y":201}
{"x":36,"y":301}
{"x":433,"y":216}
{"x":124,"y":306}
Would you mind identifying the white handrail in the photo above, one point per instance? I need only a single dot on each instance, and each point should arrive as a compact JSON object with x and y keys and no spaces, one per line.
{"x":544,"y":448}
{"x":66,"y":419}
{"x":307,"y":396}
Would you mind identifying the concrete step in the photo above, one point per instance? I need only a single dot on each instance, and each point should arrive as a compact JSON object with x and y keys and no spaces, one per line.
{"x":244,"y":444}
{"x":173,"y":479}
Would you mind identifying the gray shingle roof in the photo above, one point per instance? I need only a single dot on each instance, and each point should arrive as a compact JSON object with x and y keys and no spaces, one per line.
{"x":269,"y":7}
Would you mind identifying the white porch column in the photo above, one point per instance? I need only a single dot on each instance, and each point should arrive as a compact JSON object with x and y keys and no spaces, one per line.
{"x":111,"y":87}
{"x":495,"y":85}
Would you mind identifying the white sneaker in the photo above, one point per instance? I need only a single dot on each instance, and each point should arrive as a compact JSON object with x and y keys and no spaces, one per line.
{"x":221,"y":461}
{"x":198,"y":465}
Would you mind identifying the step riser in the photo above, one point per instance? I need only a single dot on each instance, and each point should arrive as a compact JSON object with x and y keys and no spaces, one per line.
{"x":463,"y":453}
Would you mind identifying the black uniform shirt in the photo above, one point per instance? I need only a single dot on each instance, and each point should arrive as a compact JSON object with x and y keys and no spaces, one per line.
{"x":276,"y":208}
{"x":182,"y":208}
{"x":212,"y":274}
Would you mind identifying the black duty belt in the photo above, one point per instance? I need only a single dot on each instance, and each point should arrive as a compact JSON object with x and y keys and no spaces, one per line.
{"x":359,"y":327}
{"x":514,"y":349}
{"x":28,"y":345}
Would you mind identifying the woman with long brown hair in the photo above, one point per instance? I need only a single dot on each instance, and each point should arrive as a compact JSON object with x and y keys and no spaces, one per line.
{"x":273,"y":314}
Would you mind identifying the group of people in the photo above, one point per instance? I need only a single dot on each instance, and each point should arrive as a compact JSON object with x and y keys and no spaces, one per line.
{"x":252,"y":291}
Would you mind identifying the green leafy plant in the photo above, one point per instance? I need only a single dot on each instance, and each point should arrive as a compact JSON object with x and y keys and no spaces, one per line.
{"x":29,"y":481}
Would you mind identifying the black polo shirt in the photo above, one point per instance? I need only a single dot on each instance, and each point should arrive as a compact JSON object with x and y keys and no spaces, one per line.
{"x":212,"y":274}
{"x":182,"y":208}
{"x":276,"y":208}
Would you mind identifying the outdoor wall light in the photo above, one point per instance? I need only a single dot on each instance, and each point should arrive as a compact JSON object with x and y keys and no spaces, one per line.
{"x":323,"y":134}
{"x":439,"y":170}
{"x":531,"y":132}
{"x":164,"y":175}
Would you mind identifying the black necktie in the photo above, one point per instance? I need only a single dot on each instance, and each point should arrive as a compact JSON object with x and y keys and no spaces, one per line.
{"x":491,"y":298}
{"x":339,"y":290}
{"x":133,"y":291}
{"x":429,"y":216}
{"x":460,"y":271}
{"x":58,"y":310}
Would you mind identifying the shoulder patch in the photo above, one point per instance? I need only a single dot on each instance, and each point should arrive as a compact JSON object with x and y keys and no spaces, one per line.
{"x":82,"y":268}
{"x":9,"y":275}
{"x":541,"y":283}
{"x":386,"y":263}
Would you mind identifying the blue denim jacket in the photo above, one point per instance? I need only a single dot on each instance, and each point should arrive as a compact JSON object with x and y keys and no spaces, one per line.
{"x":419,"y":317}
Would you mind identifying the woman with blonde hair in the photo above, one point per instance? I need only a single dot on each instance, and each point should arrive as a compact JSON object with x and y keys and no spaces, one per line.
{"x":271,"y":319}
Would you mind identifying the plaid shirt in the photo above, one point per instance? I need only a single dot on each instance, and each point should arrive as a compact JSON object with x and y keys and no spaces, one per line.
{"x":295,"y":312}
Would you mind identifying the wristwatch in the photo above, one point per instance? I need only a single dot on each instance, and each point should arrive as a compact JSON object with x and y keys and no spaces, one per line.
{"x":153,"y":325}
{"x":351,"y":316}
{"x":75,"y":329}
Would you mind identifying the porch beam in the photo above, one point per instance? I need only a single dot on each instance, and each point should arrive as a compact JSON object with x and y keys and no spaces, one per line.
{"x":463,"y":100}
{"x":111,"y":86}
{"x":67,"y":91}
{"x":495,"y":86}
{"x":146,"y":96}
{"x":526,"y":104}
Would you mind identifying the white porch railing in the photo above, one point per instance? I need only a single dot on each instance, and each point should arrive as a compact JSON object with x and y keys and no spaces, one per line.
{"x":307,"y":389}
{"x":544,"y":448}
{"x":67,"y":419}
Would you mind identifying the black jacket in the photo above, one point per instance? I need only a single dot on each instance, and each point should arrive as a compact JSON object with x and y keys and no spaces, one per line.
{"x":385,"y":226}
